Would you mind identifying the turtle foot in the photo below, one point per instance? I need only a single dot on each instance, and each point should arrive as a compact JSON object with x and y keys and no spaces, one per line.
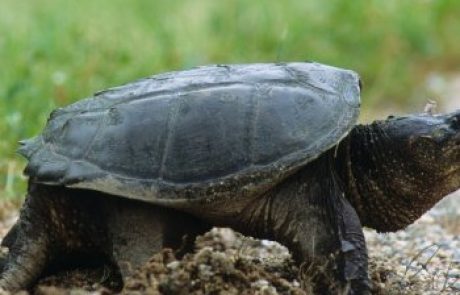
{"x":24,"y":250}
{"x":47,"y":237}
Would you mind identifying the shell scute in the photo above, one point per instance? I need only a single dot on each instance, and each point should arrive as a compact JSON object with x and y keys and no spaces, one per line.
{"x":205,"y":133}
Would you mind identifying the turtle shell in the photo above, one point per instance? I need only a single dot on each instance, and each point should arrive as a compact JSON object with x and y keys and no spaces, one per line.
{"x":209,"y":132}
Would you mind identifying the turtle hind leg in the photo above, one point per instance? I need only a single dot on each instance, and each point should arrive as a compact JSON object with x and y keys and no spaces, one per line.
{"x":80,"y":235}
{"x":56,"y":225}
{"x":28,"y":248}
{"x":140,"y":230}
{"x":6,"y":245}
{"x":24,"y":264}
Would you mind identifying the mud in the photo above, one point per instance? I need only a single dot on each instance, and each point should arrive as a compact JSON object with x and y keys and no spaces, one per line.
{"x":223,"y":262}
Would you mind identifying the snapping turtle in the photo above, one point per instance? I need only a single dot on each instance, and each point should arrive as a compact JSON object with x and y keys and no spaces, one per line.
{"x":271,"y":150}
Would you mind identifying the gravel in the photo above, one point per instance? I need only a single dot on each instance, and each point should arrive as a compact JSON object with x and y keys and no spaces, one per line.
{"x":422,"y":259}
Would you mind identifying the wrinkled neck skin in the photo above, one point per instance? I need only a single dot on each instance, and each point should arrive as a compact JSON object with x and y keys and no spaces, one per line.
{"x":386,"y":188}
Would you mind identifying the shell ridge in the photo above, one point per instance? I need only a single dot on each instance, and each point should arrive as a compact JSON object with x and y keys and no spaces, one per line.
{"x":171,"y":127}
{"x":191,"y":89}
{"x":101,"y":121}
{"x":303,"y":79}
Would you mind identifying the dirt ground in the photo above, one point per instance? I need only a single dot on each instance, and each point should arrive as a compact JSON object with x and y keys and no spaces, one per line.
{"x":423,"y":259}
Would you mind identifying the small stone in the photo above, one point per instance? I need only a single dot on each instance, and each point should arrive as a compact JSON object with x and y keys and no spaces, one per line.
{"x":173,"y":265}
{"x":456,"y":257}
{"x":260,"y":283}
{"x":427,"y":218}
{"x":454,"y":273}
{"x":400,"y":269}
{"x":456,"y":286}
{"x":205,"y":270}
{"x":268,"y":290}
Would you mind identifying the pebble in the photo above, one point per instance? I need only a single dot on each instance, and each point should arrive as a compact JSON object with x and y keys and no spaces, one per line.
{"x":454,"y":273}
{"x":173,"y":265}
{"x":260,"y":283}
{"x":423,"y":259}
{"x":456,"y":286}
{"x":424,"y":255}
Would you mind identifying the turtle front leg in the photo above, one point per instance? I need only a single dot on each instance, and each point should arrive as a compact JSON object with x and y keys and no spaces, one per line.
{"x":309,"y":214}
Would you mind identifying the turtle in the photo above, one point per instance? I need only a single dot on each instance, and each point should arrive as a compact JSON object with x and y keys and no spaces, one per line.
{"x":272,"y":150}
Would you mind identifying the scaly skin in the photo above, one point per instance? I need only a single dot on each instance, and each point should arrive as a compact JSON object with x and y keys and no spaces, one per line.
{"x":104,"y":230}
{"x":386,"y":175}
{"x":397,"y":169}
{"x":311,"y":216}
{"x":61,"y":228}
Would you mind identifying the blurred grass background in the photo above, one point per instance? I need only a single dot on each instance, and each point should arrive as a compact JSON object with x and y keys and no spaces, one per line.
{"x":54,"y":52}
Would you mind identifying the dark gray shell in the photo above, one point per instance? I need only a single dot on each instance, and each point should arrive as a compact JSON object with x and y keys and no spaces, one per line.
{"x":209,"y":132}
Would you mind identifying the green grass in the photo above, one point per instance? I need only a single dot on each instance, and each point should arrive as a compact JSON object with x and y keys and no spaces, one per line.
{"x":54,"y":52}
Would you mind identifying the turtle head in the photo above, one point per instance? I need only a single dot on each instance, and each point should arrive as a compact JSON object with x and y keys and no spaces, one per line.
{"x":429,"y":143}
{"x":402,"y":166}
